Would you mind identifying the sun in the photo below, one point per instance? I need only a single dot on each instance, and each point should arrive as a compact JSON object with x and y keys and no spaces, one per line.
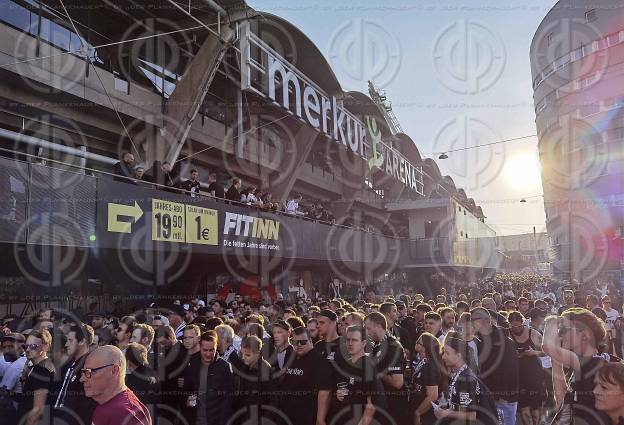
{"x":523,"y":170}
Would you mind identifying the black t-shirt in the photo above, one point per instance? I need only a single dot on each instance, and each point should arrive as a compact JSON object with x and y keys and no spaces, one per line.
{"x":233,"y":194}
{"x":389,"y":357}
{"x":335,"y":354}
{"x":40,"y":376}
{"x":362,"y":383}
{"x":192,"y":187}
{"x":425,"y":375}
{"x":300,"y":385}
{"x":582,"y":396}
{"x":464,"y":391}
{"x":389,"y":360}
{"x":219,"y":191}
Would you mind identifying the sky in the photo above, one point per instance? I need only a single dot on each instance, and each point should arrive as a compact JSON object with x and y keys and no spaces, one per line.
{"x":458,"y":75}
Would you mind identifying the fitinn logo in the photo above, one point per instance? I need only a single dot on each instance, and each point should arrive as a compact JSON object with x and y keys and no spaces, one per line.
{"x":248,"y":226}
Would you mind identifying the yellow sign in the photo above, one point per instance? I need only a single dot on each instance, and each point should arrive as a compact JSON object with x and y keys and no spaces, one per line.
{"x":115,"y":211}
{"x":201,"y":225}
{"x":168,"y":221}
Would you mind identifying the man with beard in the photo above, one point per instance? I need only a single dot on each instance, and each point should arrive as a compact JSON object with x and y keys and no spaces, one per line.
{"x":531,"y":380}
{"x":97,"y":323}
{"x":448,"y":319}
{"x":303,"y":379}
{"x":12,"y":345}
{"x":389,"y":362}
{"x":71,"y":404}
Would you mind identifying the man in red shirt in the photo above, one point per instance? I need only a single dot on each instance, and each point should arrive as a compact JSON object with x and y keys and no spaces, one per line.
{"x":103,"y":378}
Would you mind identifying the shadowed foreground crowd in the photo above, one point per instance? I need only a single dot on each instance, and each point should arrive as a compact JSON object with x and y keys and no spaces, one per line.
{"x":453,"y":358}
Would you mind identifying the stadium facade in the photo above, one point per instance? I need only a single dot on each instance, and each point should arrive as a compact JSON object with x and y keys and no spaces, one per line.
{"x":216,"y":87}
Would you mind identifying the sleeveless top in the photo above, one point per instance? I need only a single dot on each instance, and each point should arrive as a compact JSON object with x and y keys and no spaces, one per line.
{"x":581,"y":396}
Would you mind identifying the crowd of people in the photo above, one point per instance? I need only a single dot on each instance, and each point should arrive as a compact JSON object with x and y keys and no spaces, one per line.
{"x":534,"y":348}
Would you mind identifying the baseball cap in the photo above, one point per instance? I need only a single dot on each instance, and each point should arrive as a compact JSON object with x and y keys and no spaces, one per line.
{"x":15,"y":336}
{"x":282,"y":324}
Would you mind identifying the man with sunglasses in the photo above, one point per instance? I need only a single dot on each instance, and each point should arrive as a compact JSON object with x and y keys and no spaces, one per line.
{"x":103,"y":377}
{"x":308,"y":373}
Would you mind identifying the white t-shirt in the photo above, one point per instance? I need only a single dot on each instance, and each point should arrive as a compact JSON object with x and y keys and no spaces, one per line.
{"x":612,"y":316}
{"x":12,"y":374}
{"x":292,"y":206}
{"x":4,"y":365}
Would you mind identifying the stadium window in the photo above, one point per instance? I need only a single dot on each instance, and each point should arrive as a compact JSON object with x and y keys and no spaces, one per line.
{"x":590,"y":16}
{"x":550,"y":38}
{"x":15,"y":15}
{"x":121,"y":85}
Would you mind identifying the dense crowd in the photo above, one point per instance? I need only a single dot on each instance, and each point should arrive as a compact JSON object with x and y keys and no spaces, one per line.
{"x":515,"y":348}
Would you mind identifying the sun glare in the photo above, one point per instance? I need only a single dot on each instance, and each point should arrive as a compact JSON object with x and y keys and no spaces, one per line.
{"x":523,"y":171}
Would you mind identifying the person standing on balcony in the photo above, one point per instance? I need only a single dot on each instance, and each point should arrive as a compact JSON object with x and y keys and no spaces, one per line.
{"x":233,"y":193}
{"x":192,"y":185}
{"x":124,"y":169}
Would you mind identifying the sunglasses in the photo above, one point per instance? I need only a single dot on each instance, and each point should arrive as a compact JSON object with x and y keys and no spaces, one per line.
{"x":88,"y":372}
{"x":30,"y":346}
{"x":301,"y":342}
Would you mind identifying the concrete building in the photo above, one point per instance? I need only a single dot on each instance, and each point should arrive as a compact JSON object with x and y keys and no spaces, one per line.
{"x":528,"y":251}
{"x":577,"y":63}
{"x":219,"y":88}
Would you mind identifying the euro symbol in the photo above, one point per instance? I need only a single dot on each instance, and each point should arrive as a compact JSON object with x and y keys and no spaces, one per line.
{"x":115,"y":211}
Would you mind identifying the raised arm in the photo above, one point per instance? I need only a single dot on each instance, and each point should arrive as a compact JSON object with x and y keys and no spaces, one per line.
{"x":551,"y":344}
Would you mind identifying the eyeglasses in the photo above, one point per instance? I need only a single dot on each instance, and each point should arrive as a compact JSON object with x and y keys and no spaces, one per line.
{"x":30,"y":346}
{"x":301,"y":342}
{"x":88,"y":372}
